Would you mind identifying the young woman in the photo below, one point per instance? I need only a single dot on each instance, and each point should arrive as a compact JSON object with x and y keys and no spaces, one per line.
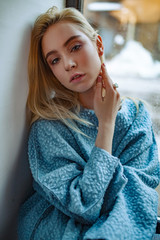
{"x":95,"y":164}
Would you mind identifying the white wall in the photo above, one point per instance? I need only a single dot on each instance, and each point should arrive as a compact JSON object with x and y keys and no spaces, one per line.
{"x":16,"y":19}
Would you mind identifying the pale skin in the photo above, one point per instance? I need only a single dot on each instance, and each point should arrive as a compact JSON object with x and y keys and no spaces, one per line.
{"x":69,"y":53}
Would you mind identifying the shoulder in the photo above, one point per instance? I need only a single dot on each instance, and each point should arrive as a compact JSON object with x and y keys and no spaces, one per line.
{"x":44,"y":125}
{"x":133,"y":130}
{"x":45,"y":130}
{"x":133,"y":126}
{"x":133,"y":113}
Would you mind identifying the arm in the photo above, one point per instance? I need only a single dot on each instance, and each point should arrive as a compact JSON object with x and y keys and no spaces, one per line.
{"x":64,"y":178}
{"x":106,"y":109}
{"x":78,"y":188}
{"x":133,"y":213}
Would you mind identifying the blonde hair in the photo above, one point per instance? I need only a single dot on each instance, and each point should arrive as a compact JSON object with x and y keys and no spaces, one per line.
{"x":64,"y":105}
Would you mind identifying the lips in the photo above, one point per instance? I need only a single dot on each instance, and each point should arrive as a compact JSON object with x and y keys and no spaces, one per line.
{"x":76,"y":77}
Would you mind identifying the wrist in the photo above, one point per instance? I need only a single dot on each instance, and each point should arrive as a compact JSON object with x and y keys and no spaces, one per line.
{"x":105,"y":126}
{"x":105,"y":136}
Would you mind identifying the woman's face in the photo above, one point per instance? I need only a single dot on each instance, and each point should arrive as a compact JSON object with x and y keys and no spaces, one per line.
{"x":72,"y":56}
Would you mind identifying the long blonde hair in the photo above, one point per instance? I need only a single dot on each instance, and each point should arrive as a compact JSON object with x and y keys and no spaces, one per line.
{"x":42,"y":82}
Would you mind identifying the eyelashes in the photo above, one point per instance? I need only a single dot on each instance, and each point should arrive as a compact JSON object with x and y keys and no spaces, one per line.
{"x":54,"y":61}
{"x":75,"y":48}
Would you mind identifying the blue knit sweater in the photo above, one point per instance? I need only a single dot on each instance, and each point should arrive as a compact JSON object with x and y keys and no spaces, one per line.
{"x":82,"y":191}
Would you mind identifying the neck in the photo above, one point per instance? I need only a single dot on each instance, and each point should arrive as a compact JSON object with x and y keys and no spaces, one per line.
{"x":86,"y":98}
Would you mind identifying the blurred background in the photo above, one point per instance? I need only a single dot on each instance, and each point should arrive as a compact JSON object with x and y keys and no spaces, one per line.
{"x":130,"y":30}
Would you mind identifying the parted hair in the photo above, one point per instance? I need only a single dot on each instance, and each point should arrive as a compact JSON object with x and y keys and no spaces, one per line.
{"x":47,"y":97}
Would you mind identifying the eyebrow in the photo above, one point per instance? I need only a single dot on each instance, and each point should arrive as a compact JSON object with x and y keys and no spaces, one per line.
{"x":65,"y":44}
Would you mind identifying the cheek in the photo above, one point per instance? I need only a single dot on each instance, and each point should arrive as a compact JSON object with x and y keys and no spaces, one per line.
{"x":60,"y":77}
{"x":57,"y":73}
{"x":92,"y":55}
{"x":92,"y":60}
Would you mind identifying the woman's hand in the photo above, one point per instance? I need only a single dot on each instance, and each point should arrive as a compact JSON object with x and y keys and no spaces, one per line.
{"x":106,"y":109}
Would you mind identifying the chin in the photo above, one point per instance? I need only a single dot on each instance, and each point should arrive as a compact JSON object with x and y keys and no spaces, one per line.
{"x":86,"y":89}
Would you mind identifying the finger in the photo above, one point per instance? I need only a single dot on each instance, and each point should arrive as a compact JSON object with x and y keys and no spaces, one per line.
{"x":101,"y":88}
{"x":98,"y":92}
{"x":107,"y":80}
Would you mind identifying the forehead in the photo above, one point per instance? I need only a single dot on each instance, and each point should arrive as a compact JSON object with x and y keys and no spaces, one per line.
{"x":58,"y":33}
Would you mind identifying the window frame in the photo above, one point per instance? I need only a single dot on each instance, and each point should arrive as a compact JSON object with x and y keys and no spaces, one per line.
{"x":78,"y":4}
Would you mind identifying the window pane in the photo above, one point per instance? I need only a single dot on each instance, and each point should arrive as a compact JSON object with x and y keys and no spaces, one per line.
{"x":130,"y":30}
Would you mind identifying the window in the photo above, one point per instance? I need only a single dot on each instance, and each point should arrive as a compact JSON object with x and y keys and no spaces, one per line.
{"x":131,"y":34}
{"x":78,"y":4}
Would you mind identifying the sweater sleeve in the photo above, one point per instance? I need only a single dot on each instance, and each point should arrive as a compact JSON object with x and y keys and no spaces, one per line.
{"x":85,"y":190}
{"x":134,"y":212}
{"x":61,"y":175}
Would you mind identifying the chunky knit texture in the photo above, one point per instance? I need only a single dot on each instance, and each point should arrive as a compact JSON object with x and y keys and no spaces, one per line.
{"x":82,"y":191}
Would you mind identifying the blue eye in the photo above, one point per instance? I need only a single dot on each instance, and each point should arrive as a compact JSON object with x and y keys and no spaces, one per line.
{"x":54,"y":61}
{"x":76,"y":47}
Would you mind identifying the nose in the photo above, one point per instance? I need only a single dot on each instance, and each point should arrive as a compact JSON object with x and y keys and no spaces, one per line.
{"x":69,"y":64}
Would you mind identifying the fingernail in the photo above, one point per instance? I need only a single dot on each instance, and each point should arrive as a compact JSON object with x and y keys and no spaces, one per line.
{"x":103,"y":84}
{"x":99,"y":79}
{"x":103,"y":65}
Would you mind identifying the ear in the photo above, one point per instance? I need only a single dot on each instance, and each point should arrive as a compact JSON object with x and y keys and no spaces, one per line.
{"x":100,"y":46}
